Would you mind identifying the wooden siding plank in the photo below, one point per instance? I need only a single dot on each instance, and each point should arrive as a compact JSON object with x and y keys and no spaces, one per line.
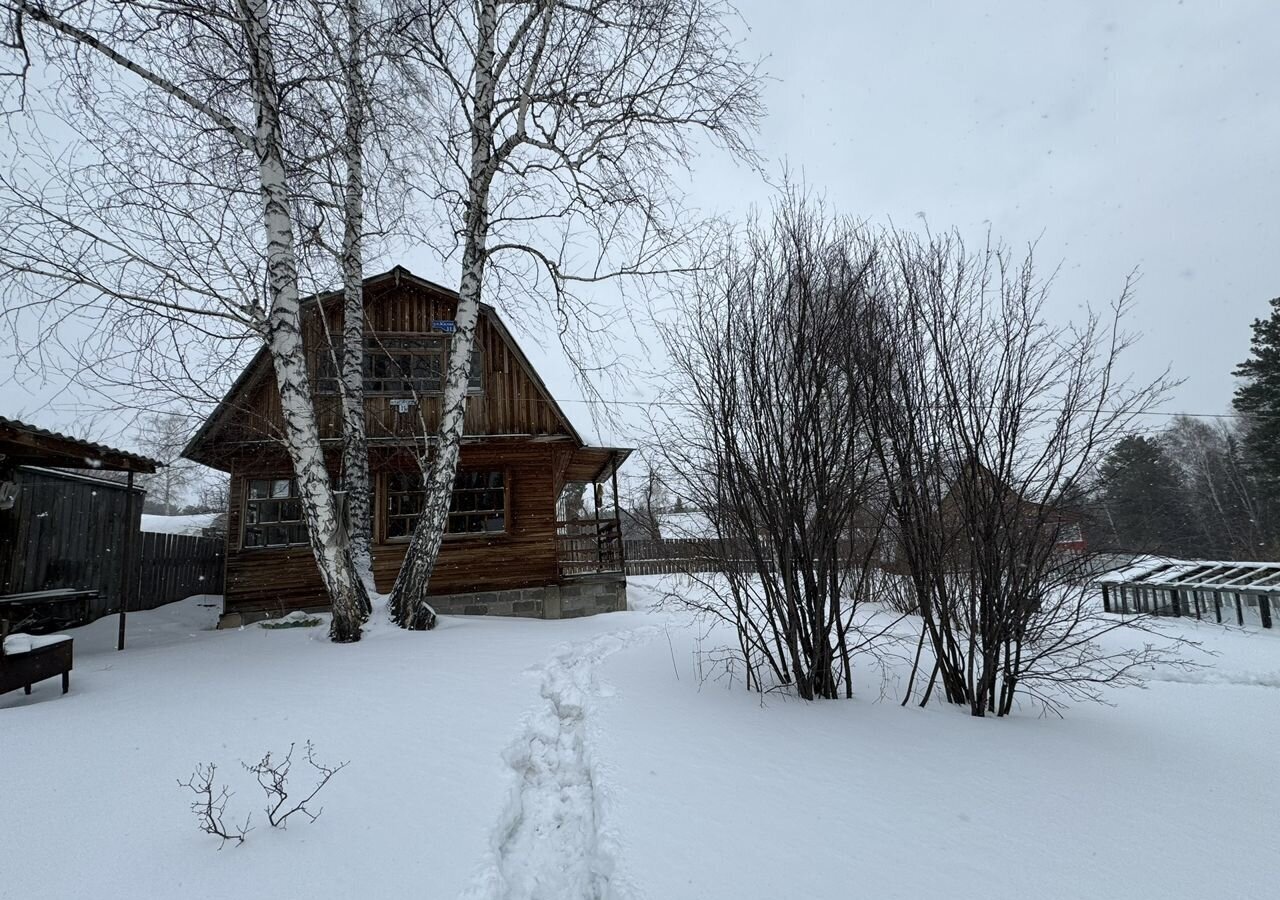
{"x":511,"y":404}
{"x":283,"y":579}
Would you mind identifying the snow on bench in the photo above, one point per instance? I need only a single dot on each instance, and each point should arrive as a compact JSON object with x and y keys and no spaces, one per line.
{"x":28,"y":658}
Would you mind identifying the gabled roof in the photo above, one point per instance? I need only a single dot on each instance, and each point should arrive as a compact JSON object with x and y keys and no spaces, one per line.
{"x":28,"y":445}
{"x":259,"y":365}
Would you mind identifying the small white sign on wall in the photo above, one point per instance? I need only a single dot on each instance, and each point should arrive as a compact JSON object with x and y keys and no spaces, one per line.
{"x":403,"y":404}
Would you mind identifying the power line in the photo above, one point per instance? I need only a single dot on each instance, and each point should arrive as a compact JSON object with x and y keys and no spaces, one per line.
{"x":648,"y":404}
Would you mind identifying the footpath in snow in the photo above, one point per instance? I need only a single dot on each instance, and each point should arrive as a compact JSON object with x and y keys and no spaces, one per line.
{"x":552,"y":841}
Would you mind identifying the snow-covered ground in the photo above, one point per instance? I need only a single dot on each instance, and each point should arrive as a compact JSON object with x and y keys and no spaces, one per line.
{"x":584,"y":759}
{"x":192,"y":524}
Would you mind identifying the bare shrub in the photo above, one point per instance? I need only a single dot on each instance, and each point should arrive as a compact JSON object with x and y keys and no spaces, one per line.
{"x":273,"y":777}
{"x":843,"y":396}
{"x":763,"y":433}
{"x":985,"y":419}
{"x":897,"y":593}
{"x":210,"y":805}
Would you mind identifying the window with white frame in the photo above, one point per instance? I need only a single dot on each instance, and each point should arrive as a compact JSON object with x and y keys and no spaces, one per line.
{"x":272,"y":514}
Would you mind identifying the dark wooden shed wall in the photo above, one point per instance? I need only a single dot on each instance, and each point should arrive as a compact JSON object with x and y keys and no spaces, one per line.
{"x":65,"y":532}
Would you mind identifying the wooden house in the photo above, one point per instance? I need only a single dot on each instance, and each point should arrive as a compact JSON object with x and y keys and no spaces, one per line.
{"x":973,"y":496}
{"x":506,"y":550}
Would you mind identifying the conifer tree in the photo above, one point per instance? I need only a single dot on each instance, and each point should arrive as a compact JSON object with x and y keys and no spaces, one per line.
{"x":1258,"y":397}
{"x":1144,"y":499}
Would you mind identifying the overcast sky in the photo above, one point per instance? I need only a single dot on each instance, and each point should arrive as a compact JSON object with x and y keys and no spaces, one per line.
{"x":1123,"y":135}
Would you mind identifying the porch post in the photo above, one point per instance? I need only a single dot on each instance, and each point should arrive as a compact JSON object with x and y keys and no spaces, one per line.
{"x":1106,"y":598}
{"x":598,"y":497}
{"x":617,"y":515}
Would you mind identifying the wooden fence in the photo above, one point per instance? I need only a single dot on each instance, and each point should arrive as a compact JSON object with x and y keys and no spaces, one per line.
{"x":668,"y":557}
{"x":66,"y":531}
{"x":673,"y":556}
{"x":174,"y":566}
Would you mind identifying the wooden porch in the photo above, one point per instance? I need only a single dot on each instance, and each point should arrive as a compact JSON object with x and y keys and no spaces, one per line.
{"x":590,"y":547}
{"x":589,"y":537}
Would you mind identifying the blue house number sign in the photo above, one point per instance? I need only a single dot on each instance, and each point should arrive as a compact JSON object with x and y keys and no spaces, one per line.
{"x":448,"y":326}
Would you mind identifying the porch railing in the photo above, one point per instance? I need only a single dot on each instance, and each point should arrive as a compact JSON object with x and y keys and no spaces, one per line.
{"x":589,"y":546}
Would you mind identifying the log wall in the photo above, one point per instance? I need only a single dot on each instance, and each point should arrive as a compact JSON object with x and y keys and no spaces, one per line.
{"x":524,"y":556}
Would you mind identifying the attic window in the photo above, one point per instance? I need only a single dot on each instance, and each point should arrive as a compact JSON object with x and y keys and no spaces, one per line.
{"x":402,"y":365}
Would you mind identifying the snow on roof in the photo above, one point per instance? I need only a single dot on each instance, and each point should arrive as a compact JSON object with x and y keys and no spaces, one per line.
{"x":29,"y":444}
{"x":193,"y":524}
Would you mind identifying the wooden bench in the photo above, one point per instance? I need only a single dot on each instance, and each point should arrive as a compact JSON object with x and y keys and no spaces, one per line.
{"x":47,"y":657}
{"x":44,"y":611}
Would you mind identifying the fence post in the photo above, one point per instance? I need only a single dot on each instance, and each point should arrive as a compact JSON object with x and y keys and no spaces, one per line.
{"x":126,"y":551}
{"x":1264,"y":607}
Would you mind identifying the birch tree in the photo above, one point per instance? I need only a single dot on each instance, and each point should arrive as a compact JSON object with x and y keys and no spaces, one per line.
{"x":560,"y":124}
{"x":380,"y":124}
{"x":207,"y":76}
{"x":163,"y":437}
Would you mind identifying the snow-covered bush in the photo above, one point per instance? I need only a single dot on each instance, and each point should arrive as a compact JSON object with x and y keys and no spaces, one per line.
{"x":841,"y":397}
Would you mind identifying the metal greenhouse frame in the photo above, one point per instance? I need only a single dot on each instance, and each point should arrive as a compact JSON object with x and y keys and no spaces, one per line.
{"x":1178,"y":587}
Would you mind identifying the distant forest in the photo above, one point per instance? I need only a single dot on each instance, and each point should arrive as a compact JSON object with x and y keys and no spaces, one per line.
{"x":1202,"y":489}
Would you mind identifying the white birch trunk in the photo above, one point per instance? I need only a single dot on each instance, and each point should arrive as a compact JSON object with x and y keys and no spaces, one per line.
{"x":282,"y":329}
{"x":347,"y":595}
{"x":355,"y":443}
{"x":409,"y":606}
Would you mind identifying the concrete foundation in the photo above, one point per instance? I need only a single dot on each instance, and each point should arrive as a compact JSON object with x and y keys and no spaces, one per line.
{"x":583,"y":596}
